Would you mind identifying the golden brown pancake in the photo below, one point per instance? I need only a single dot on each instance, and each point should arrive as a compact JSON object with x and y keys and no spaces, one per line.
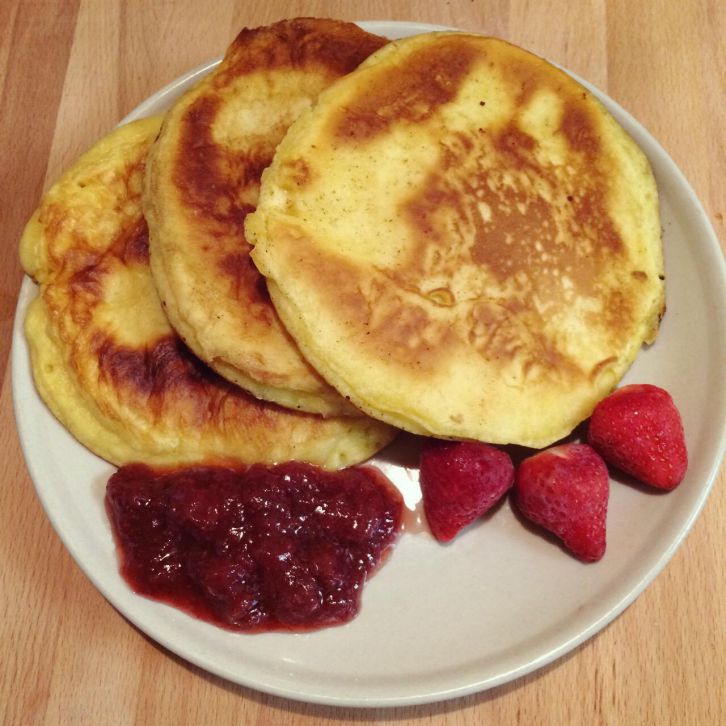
{"x":203,"y":179}
{"x":104,"y":356}
{"x":463,"y":240}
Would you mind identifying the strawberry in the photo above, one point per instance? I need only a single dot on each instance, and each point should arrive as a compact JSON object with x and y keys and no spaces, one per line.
{"x":638,"y":429}
{"x":565,"y":490}
{"x":461,"y":481}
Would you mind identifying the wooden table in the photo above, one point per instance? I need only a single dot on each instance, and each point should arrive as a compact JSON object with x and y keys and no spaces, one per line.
{"x":69,"y":70}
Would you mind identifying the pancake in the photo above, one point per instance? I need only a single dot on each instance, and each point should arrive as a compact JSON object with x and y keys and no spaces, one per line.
{"x":464,"y":241}
{"x":104,"y":357}
{"x":203,"y":179}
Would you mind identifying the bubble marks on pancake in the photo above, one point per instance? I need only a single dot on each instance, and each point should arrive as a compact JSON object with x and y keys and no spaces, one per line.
{"x":429,"y":79}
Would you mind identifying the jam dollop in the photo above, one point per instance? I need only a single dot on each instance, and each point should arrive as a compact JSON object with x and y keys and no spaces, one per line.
{"x":256,"y":548}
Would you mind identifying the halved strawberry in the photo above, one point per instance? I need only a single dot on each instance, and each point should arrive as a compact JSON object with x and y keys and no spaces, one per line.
{"x":638,"y":429}
{"x":565,"y":489}
{"x":461,"y":481}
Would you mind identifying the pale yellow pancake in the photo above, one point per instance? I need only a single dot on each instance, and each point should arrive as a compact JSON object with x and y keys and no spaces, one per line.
{"x":107,"y":362}
{"x":464,"y":241}
{"x":203,"y":179}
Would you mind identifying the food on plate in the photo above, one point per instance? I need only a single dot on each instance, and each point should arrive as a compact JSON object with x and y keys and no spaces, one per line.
{"x":463,"y":240}
{"x":455,"y":238}
{"x":638,"y":429}
{"x":259,"y":548}
{"x":104,"y":357}
{"x":203,"y":179}
{"x":460,"y":482}
{"x":565,"y":489}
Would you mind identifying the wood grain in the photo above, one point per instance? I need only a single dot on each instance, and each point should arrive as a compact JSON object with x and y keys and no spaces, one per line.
{"x":69,"y":70}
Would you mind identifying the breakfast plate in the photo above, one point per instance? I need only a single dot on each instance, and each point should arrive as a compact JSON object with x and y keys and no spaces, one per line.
{"x":439,"y":621}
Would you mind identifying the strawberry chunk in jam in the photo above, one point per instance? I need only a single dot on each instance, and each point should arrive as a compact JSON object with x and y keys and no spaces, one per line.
{"x":287,"y":547}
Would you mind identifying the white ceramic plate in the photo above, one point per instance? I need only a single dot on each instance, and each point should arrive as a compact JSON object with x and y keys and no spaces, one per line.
{"x":440,"y":621}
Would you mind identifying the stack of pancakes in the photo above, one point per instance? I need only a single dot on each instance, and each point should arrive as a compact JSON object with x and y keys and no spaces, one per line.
{"x":331,"y":237}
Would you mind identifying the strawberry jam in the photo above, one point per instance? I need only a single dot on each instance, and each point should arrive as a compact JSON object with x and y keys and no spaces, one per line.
{"x":287,"y":547}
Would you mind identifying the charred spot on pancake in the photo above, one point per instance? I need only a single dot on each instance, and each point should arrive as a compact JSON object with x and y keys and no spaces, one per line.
{"x":157,"y":366}
{"x":133,"y":243}
{"x":299,"y":43}
{"x":209,"y":178}
{"x":85,"y":291}
{"x":248,"y":285}
{"x":430,"y":78}
{"x":515,"y":143}
{"x":171,"y":382}
{"x":85,"y":283}
{"x":166,"y":373}
{"x":578,"y":129}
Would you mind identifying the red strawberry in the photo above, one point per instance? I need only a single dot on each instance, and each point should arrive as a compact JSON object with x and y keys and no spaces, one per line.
{"x":461,"y":481}
{"x":565,"y":490}
{"x":638,"y":429}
